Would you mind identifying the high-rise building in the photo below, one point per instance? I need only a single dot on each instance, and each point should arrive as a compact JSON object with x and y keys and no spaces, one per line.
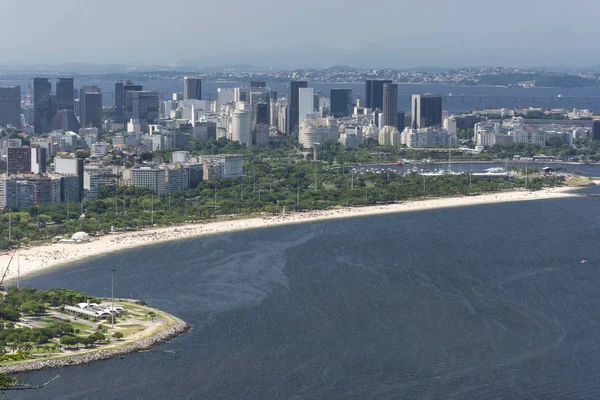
{"x":38,"y":159}
{"x":120,"y":89}
{"x":71,"y":166}
{"x":401,"y":121}
{"x":374,"y":93}
{"x":426,"y":110}
{"x":64,"y":94}
{"x":241,"y":122}
{"x":142,"y":107}
{"x":91,"y":107}
{"x":10,"y":106}
{"x":192,"y":88}
{"x":18,"y":160}
{"x":42,"y":102}
{"x":293,"y":120}
{"x":261,"y":113}
{"x":390,"y":104}
{"x":26,"y":160}
{"x":340,"y":102}
{"x":149,"y":178}
{"x":306,"y":103}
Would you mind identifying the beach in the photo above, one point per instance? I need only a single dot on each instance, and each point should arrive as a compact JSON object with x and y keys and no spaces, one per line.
{"x":37,"y":259}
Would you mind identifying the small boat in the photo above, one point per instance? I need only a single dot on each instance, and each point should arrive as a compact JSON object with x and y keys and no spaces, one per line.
{"x":583,"y":261}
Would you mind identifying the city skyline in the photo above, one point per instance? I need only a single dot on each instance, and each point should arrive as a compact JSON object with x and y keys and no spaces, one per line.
{"x":446,"y":35}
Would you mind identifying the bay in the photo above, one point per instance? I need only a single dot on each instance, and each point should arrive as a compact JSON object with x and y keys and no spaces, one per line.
{"x":465,"y":303}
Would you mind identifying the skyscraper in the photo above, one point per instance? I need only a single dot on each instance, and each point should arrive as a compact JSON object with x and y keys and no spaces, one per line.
{"x":121,"y":88}
{"x":306,"y":103}
{"x":374,"y":93}
{"x":192,"y":88}
{"x":91,"y":107}
{"x":294,"y":105}
{"x":10,"y":106}
{"x":390,"y":104}
{"x":341,"y":102}
{"x":142,"y":107}
{"x":42,"y":103}
{"x":261,"y":113}
{"x":241,"y":131}
{"x":401,"y":121}
{"x":426,"y":110}
{"x":64,"y":94}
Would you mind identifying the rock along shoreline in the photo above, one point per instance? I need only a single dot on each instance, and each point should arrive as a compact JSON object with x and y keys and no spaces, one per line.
{"x":148,"y":343}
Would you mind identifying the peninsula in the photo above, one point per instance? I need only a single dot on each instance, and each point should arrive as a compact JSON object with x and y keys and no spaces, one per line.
{"x":58,"y":327}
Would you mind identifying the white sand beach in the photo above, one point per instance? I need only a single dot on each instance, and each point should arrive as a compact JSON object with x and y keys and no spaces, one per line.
{"x":35,"y":259}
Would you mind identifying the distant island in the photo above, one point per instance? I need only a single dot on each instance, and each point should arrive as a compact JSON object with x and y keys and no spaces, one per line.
{"x":43,"y":329}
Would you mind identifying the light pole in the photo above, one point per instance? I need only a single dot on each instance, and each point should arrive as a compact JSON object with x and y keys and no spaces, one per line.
{"x":112,"y":301}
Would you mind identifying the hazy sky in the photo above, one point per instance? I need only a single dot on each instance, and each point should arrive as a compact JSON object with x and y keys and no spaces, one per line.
{"x":319,"y":33}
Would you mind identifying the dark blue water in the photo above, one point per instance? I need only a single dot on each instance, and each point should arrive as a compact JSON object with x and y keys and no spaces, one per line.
{"x":485,"y":302}
{"x":464,"y":98}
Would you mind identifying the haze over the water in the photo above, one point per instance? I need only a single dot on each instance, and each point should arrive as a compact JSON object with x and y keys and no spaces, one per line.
{"x":309,"y":33}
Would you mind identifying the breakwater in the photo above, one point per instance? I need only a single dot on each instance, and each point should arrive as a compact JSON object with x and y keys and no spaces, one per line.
{"x":178,"y":327}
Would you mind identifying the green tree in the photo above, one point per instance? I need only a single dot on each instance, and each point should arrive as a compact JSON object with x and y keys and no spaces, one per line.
{"x":118,"y":335}
{"x":69,"y":341}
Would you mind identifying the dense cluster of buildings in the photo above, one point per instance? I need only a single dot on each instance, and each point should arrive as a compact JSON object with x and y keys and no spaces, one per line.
{"x":59,"y":122}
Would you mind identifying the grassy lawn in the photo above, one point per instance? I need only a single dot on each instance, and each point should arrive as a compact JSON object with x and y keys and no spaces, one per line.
{"x":128,"y":330}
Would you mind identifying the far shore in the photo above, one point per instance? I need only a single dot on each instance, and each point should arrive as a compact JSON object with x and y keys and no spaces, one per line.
{"x":33,"y":260}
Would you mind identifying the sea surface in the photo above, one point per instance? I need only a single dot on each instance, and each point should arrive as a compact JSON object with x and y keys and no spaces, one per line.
{"x":462,"y":99}
{"x":480,"y":302}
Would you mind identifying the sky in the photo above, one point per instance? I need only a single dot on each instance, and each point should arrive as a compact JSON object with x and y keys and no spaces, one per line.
{"x":301,"y":34}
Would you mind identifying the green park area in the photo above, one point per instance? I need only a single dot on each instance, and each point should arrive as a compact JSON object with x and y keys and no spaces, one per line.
{"x":46,"y":324}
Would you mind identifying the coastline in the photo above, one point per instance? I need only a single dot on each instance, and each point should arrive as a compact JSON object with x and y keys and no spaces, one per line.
{"x":38,"y":259}
{"x":176,"y":327}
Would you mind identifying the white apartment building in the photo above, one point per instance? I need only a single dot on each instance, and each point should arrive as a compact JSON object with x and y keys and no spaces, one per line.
{"x":316,"y":130}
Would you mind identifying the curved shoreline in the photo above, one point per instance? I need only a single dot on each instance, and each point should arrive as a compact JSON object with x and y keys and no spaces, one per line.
{"x":40,"y":259}
{"x":165,"y":335}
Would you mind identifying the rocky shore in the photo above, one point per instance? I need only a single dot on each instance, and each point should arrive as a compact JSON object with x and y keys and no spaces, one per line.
{"x":163,"y":336}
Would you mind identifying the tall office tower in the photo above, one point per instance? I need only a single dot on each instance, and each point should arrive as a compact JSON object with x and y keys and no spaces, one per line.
{"x":340,"y":102}
{"x":306,"y":103}
{"x":261,"y":113}
{"x":192,"y":88}
{"x":293,"y":121}
{"x":374,"y":93}
{"x":142,"y":107}
{"x":258,"y":84}
{"x":120,"y":89}
{"x":426,"y":110}
{"x":42,"y":102}
{"x":90,"y":99}
{"x":241,"y":127}
{"x":401,"y":121}
{"x":390,"y":104}
{"x":64,"y":94}
{"x":10,"y":106}
{"x":71,"y":166}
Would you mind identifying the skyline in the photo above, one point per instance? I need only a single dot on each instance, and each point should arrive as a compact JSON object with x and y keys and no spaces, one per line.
{"x":521,"y":34}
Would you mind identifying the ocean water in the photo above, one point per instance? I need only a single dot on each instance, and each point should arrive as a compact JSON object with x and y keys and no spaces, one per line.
{"x":482,"y":302}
